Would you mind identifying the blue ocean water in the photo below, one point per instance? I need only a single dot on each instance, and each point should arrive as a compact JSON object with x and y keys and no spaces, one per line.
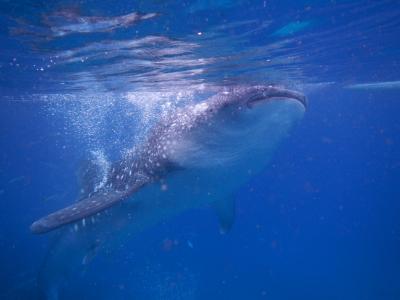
{"x":320,"y":222}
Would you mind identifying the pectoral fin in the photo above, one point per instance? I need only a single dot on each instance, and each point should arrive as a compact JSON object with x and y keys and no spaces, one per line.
{"x":226,"y":212}
{"x":76,"y":211}
{"x":82,"y":209}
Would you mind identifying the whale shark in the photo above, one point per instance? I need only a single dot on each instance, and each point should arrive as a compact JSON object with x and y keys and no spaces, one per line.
{"x":198,"y":155}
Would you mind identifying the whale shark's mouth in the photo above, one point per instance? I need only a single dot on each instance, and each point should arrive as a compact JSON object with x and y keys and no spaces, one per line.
{"x":270,"y":92}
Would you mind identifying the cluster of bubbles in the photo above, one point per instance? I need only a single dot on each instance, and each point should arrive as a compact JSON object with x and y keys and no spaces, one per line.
{"x":113,"y":123}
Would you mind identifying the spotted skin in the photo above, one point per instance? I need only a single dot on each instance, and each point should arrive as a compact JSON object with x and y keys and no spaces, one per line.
{"x":153,"y":160}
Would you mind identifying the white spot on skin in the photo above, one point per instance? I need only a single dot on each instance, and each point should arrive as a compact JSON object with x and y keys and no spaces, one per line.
{"x":83,"y":222}
{"x":76,"y":227}
{"x":198,"y":108}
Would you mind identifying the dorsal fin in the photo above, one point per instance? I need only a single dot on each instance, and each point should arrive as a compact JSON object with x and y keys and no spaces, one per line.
{"x":88,"y":177}
{"x":92,"y":174}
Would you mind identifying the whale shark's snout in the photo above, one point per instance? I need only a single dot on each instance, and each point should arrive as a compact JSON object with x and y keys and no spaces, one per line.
{"x":259,"y":94}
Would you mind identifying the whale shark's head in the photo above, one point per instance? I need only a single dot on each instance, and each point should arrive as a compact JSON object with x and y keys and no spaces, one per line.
{"x":245,"y":106}
{"x":248,"y":106}
{"x":243,"y":122}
